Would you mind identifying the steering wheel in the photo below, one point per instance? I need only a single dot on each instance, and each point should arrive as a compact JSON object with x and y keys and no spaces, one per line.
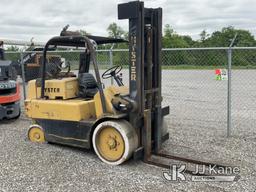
{"x":112,"y":72}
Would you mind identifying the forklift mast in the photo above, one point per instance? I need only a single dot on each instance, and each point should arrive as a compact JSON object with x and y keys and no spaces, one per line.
{"x":145,"y":34}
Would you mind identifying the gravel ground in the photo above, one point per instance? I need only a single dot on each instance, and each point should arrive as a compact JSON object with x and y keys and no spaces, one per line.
{"x":197,"y":127}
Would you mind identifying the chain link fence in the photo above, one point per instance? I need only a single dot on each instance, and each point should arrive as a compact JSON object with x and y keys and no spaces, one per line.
{"x":243,"y":108}
{"x":198,"y":100}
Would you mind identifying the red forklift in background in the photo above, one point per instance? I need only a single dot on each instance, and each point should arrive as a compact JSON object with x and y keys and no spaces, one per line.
{"x":9,"y":88}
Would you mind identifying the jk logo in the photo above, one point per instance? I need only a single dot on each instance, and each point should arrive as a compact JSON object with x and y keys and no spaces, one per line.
{"x":176,"y":173}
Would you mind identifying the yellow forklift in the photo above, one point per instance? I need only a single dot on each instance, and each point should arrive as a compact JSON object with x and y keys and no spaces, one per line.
{"x":119,"y":121}
{"x":77,"y":111}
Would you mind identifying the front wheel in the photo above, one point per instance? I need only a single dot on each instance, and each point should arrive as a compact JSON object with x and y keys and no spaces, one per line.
{"x":114,"y":141}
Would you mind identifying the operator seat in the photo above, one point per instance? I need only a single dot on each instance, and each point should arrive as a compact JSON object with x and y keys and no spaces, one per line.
{"x":87,"y":85}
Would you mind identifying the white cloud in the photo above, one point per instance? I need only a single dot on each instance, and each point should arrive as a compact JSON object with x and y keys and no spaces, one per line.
{"x":44,"y":19}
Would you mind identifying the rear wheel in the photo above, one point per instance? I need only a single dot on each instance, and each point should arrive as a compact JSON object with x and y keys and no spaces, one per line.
{"x":114,"y":141}
{"x":36,"y":134}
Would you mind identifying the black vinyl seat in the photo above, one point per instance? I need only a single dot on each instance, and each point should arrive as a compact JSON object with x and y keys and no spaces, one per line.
{"x":87,"y":85}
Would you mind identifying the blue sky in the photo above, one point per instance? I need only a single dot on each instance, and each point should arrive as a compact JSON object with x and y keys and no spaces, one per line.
{"x":44,"y":19}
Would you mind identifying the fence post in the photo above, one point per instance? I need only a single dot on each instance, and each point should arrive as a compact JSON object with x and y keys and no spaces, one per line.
{"x":229,"y":121}
{"x":23,"y":75}
{"x":111,"y":61}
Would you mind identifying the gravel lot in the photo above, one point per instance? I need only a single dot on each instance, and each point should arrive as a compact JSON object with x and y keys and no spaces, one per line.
{"x":197,"y":127}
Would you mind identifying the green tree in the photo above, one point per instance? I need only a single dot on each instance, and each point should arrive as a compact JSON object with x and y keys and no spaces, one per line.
{"x":115,"y":31}
{"x":204,"y":35}
{"x":172,"y":40}
{"x":223,"y":38}
{"x":12,"y":48}
{"x":168,"y":31}
{"x":189,"y":40}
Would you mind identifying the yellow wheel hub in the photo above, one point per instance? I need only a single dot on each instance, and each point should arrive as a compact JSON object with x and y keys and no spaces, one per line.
{"x":110,"y":144}
{"x":36,"y":134}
